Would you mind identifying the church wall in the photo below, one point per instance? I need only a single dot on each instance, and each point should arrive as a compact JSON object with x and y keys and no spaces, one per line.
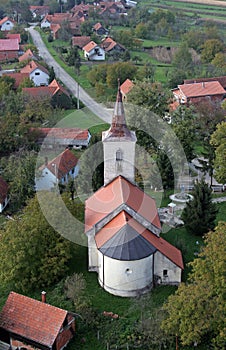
{"x":125,"y":278}
{"x":93,"y":253}
{"x":165,"y":270}
{"x":113,"y":167}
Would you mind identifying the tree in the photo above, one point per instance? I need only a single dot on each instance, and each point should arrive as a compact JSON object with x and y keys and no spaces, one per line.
{"x":119,"y":70}
{"x":52,"y":75}
{"x":165,"y":170}
{"x":218,"y":141}
{"x":32,"y":254}
{"x":196,"y":313}
{"x":210,"y":49}
{"x":200,"y":212}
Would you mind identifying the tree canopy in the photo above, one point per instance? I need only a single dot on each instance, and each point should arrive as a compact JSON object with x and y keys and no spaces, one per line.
{"x":196,"y":312}
{"x":218,"y":140}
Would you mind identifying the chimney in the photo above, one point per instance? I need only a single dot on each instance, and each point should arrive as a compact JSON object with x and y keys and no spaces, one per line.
{"x":43,"y":297}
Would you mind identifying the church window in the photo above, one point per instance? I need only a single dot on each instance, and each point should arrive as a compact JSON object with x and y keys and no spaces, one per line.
{"x":128,"y":271}
{"x":119,"y":155}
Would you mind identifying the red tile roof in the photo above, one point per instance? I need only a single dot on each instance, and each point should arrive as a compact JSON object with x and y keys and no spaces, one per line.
{"x":13,"y":36}
{"x":32,"y":319}
{"x":65,"y":133}
{"x":97,"y":26}
{"x":19,"y":78}
{"x":221,"y":79}
{"x":90,"y":46}
{"x":126,"y":86}
{"x":64,"y":162}
{"x":208,"y":88}
{"x":3,"y":190}
{"x":26,"y":56}
{"x":55,"y":27}
{"x":31,"y":66}
{"x":108,"y":44}
{"x":113,"y":195}
{"x":80,"y":41}
{"x":5,"y":19}
{"x":45,"y":91}
{"x":9,"y":45}
{"x":123,"y":219}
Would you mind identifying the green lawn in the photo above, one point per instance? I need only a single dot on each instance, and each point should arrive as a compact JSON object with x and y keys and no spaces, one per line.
{"x":82,"y":118}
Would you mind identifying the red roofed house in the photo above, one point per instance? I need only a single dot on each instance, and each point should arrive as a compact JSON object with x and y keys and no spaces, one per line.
{"x":126,"y":88}
{"x":63,"y":137}
{"x":28,"y":55}
{"x":39,"y":11}
{"x":111,"y":46}
{"x":99,"y":29}
{"x":7,"y":24}
{"x":4,"y":194}
{"x":122,"y":222}
{"x":29,"y":324}
{"x":13,"y":36}
{"x":80,"y":41}
{"x":19,"y":78}
{"x":196,"y":92}
{"x":93,"y":52}
{"x":57,"y":171}
{"x":58,"y":95}
{"x":37,"y":73}
{"x":9,"y":49}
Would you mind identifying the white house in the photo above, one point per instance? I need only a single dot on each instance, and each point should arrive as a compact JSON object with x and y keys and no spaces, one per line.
{"x":37,"y":73}
{"x":4,"y":196}
{"x":6,"y":24}
{"x":57,"y":171}
{"x":122,"y":222}
{"x":93,"y":52}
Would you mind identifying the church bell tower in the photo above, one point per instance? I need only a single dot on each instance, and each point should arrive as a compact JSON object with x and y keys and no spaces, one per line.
{"x":119,"y":146}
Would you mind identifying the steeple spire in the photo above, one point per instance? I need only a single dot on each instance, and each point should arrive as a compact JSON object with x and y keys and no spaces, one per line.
{"x":118,"y":124}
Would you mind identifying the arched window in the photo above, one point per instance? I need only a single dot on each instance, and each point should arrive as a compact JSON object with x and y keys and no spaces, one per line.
{"x":118,"y":155}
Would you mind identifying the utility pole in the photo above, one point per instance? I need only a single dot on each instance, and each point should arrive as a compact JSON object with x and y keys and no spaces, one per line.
{"x":77,"y":95}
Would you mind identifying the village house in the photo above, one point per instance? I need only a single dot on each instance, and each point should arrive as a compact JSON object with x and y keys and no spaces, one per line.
{"x":98,"y":29}
{"x":6,"y":24}
{"x":93,"y":52}
{"x":4,"y":194}
{"x":29,"y":324}
{"x":196,"y":92}
{"x":18,"y":78}
{"x":57,"y":94}
{"x":74,"y":22}
{"x":123,"y":225}
{"x":110,"y":46}
{"x":9,"y":50}
{"x":80,"y":41}
{"x":57,"y":171}
{"x":37,"y":73}
{"x":63,"y":137}
{"x":111,"y":10}
{"x":13,"y":36}
{"x":39,"y":11}
{"x":27,"y":55}
{"x":125,"y":88}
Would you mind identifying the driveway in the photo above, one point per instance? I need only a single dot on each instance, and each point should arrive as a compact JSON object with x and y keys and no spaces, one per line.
{"x":98,"y":109}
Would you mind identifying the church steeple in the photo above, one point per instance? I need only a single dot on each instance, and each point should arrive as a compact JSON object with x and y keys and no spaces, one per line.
{"x":119,"y":145}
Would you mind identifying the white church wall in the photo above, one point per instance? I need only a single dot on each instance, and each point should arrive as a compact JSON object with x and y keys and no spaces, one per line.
{"x":166,"y":271}
{"x":93,"y":252}
{"x":125,"y":278}
{"x":113,"y":167}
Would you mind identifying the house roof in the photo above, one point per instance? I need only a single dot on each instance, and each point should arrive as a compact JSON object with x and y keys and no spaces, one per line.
{"x":19,"y":78}
{"x":32,"y":319}
{"x":55,"y":27}
{"x":113,"y":195}
{"x":31,"y":66}
{"x":9,"y":45}
{"x":80,"y":41}
{"x":123,"y":238}
{"x":4,"y":187}
{"x":63,"y":163}
{"x":109,"y":44}
{"x":126,"y":86}
{"x":90,"y":46}
{"x":65,"y":133}
{"x":13,"y":36}
{"x":39,"y":10}
{"x":27,"y":55}
{"x":5,"y":19}
{"x":44,"y":91}
{"x":208,"y":88}
{"x":221,"y":79}
{"x":57,"y":17}
{"x":97,"y":26}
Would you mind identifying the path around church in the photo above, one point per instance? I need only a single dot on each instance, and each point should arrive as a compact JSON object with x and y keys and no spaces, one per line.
{"x":98,"y":109}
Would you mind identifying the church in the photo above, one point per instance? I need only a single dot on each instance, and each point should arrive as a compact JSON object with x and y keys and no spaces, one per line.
{"x":122,"y":222}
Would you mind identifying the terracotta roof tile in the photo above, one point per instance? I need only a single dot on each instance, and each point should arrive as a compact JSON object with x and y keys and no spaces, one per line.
{"x":208,"y":88}
{"x":90,"y":46}
{"x":27,"y":55}
{"x":126,"y":86}
{"x":80,"y":41}
{"x":221,"y":79}
{"x":32,"y":319}
{"x":13,"y":36}
{"x":63,"y":133}
{"x":5,"y":19}
{"x":117,"y":192}
{"x":3,"y":190}
{"x":9,"y":45}
{"x":19,"y":78}
{"x":64,"y":162}
{"x":31,"y":66}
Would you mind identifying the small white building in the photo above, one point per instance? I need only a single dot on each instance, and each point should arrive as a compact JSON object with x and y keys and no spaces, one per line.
{"x":57,"y":171}
{"x":122,"y":222}
{"x":93,"y":52}
{"x":37,"y":73}
{"x":6,"y":24}
{"x":4,"y":195}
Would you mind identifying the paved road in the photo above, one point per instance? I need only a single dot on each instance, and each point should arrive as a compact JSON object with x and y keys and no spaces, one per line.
{"x":98,"y":109}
